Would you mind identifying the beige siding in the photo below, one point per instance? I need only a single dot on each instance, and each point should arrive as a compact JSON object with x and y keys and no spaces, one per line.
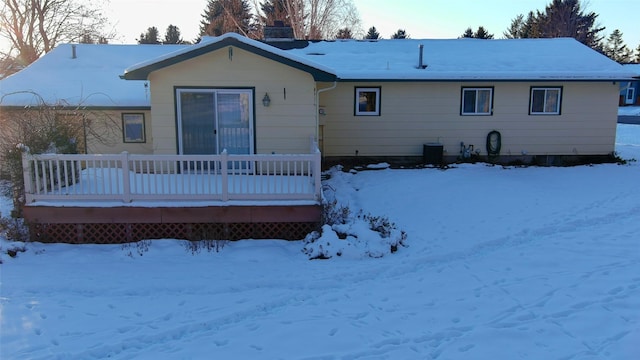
{"x":102,"y":128}
{"x":284,"y":127}
{"x":416,"y":113}
{"x":108,"y":126}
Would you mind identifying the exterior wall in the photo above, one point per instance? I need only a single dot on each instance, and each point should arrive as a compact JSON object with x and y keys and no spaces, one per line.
{"x":413,"y":114}
{"x":284,"y":127}
{"x":108,"y":125}
{"x":103,"y":128}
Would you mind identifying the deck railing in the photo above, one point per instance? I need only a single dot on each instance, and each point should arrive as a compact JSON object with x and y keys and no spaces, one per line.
{"x":127,"y":177}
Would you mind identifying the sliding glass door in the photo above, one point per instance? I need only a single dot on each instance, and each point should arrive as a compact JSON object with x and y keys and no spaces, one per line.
{"x":212,"y":120}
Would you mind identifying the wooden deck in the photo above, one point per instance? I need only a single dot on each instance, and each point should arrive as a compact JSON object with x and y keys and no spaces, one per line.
{"x":124,"y":198}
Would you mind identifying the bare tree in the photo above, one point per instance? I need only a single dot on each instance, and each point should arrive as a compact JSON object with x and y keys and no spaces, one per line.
{"x":57,"y":128}
{"x":35,"y":27}
{"x":311,"y":19}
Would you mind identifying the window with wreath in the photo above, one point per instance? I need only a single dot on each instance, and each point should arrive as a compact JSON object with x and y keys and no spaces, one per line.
{"x":133,"y":128}
{"x":477,"y":101}
{"x":367,"y":101}
{"x":545,"y":100}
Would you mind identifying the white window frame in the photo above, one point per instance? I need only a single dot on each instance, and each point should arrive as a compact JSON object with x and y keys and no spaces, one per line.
{"x":475,"y":90}
{"x":132,"y":119}
{"x":630,"y":97}
{"x":360,"y":90}
{"x":546,"y":89}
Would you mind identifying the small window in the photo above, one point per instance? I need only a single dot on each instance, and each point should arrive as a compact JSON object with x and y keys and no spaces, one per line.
{"x":545,"y":101}
{"x":133,"y":128}
{"x":367,"y":101}
{"x":477,"y":101}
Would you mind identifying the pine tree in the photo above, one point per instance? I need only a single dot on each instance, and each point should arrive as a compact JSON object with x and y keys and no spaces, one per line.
{"x":467,"y":33}
{"x":616,"y":49}
{"x":344,"y":33}
{"x":150,"y":37}
{"x":482,"y":33}
{"x":172,"y":35}
{"x":223,"y":16}
{"x":272,"y":11}
{"x":400,"y":34}
{"x":372,"y":34}
{"x":638,"y":54}
{"x":561,"y":18}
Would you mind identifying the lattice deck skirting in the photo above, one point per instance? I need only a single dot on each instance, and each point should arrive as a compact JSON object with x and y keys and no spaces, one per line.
{"x":124,"y":233}
{"x":128,"y":224}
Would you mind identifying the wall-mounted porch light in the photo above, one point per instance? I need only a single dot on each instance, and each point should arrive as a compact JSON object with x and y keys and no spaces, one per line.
{"x":266,"y":100}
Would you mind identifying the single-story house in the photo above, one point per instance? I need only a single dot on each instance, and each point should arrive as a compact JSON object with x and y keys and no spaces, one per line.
{"x":357,"y":98}
{"x":248,"y":100}
{"x":630,"y":90}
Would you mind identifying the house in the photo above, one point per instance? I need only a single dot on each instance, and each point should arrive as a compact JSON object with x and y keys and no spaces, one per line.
{"x":630,"y":90}
{"x":230,"y":97}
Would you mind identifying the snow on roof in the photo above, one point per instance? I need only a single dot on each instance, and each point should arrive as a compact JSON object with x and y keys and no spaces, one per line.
{"x":208,"y":41}
{"x":634,"y":68}
{"x":463,"y":59}
{"x":90,"y":80}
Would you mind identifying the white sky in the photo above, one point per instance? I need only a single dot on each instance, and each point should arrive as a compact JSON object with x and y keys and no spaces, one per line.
{"x":420,"y":18}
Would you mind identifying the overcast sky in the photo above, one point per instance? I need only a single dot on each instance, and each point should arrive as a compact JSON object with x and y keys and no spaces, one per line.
{"x":420,"y":18}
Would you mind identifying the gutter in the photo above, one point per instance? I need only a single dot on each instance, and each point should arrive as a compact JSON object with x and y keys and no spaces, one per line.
{"x":335,"y":84}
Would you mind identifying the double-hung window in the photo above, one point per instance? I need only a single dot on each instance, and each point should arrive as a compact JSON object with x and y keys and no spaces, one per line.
{"x":367,"y":101}
{"x":545,"y":101}
{"x":477,"y":101}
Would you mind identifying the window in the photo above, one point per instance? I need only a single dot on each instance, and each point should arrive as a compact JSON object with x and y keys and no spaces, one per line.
{"x":545,"y":101}
{"x":368,"y":101}
{"x":133,"y":128}
{"x":477,"y":101}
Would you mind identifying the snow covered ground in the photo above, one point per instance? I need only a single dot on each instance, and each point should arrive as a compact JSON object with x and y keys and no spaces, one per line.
{"x":629,"y":111}
{"x":501,"y":263}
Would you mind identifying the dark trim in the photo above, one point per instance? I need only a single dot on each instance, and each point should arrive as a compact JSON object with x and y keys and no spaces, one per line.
{"x":143,"y":72}
{"x":355,"y":100}
{"x":144,"y":129}
{"x":463,"y":88}
{"x":474,"y":80}
{"x":546,"y":87}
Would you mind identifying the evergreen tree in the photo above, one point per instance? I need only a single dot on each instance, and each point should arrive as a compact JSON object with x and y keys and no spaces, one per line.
{"x":150,"y":37}
{"x":561,"y":18}
{"x":467,"y":33}
{"x":482,"y":33}
{"x":616,"y":49}
{"x":400,"y":34}
{"x":172,"y":35}
{"x":638,"y":54}
{"x":372,"y":34}
{"x":272,"y":11}
{"x":344,"y":33}
{"x":223,"y":16}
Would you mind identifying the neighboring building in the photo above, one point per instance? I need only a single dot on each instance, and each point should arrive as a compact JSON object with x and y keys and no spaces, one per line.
{"x":630,"y":90}
{"x":357,"y":98}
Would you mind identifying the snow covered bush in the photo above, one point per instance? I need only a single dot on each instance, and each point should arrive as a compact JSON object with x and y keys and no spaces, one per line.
{"x":364,"y":235}
{"x":13,"y":229}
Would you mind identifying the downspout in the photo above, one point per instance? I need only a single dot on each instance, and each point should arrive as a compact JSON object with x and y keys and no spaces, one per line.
{"x":335,"y":83}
